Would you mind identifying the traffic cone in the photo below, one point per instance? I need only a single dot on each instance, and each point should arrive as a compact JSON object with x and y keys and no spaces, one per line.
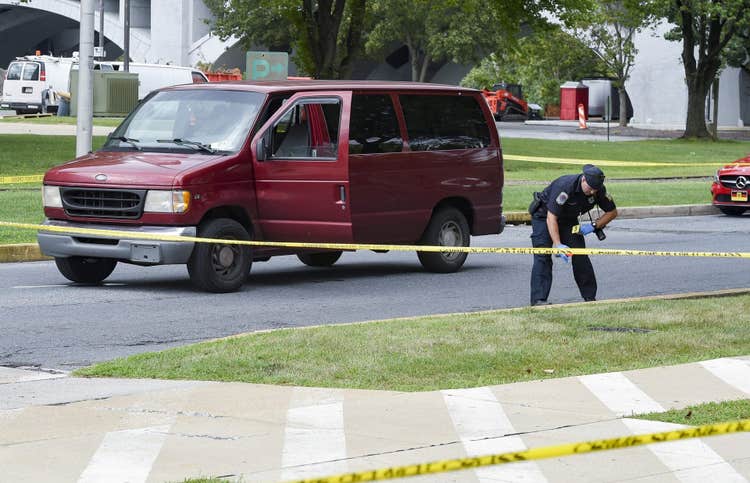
{"x":581,"y":117}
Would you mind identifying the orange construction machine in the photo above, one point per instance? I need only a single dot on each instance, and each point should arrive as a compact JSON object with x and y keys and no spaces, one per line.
{"x":506,"y":102}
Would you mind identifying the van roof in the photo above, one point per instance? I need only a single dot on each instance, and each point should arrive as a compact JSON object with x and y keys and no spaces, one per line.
{"x":141,"y":64}
{"x":321,"y":85}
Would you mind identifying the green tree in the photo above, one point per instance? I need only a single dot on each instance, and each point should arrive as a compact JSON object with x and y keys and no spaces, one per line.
{"x":705,"y":28}
{"x":609,"y":30}
{"x":325,"y":35}
{"x":433,"y":31}
{"x":461,"y":31}
{"x":541,"y":62}
{"x":738,"y":51}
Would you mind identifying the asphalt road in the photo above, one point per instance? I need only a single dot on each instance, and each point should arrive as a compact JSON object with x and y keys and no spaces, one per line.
{"x":51,"y":323}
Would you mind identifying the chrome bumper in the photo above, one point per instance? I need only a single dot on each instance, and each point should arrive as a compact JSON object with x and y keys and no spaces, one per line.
{"x":130,"y":249}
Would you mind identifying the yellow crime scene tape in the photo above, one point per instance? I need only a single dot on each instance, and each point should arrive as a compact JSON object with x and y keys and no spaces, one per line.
{"x":35,"y":178}
{"x":601,"y":162}
{"x":369,"y":246}
{"x":535,"y":453}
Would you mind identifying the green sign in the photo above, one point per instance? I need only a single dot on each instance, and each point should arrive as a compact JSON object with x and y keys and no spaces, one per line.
{"x":267,"y":65}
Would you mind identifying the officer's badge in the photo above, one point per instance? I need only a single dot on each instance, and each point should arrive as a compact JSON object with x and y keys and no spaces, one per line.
{"x":561,"y":198}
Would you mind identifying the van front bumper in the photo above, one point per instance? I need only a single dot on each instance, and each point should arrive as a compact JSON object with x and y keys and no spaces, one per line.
{"x":127,"y":249}
{"x":20,"y":105}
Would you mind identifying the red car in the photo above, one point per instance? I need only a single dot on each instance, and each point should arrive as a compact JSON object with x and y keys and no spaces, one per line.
{"x":731,"y":186}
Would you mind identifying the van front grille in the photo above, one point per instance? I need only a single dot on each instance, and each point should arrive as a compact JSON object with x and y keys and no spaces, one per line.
{"x":99,"y":203}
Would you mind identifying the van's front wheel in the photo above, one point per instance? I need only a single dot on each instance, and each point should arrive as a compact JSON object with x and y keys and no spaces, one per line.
{"x":217,"y":267}
{"x":84,"y":269}
{"x":448,"y":227}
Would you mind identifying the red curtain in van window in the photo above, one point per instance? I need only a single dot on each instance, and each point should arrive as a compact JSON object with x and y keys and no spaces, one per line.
{"x":318,"y":128}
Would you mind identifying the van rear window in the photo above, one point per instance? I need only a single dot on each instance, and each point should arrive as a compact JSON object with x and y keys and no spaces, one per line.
{"x":442,"y":122}
{"x":31,"y":71}
{"x":14,"y":71}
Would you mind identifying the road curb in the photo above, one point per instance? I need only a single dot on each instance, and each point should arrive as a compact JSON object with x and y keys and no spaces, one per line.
{"x":22,"y":252}
{"x":521,"y":217}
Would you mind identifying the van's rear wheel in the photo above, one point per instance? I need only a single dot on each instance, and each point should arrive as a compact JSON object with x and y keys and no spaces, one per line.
{"x":732,"y":210}
{"x":84,"y":269}
{"x":322,"y":259}
{"x":448,"y":227}
{"x":217,"y":267}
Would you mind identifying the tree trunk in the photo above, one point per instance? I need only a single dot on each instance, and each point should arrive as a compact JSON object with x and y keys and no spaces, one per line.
{"x":715,"y":125}
{"x":695,"y":126}
{"x":623,"y":97}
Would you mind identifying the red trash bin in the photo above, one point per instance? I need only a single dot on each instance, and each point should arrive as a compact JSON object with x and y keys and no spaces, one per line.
{"x":572,"y":94}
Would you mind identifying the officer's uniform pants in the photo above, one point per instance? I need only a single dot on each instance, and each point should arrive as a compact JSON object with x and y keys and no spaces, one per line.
{"x":541,"y":273}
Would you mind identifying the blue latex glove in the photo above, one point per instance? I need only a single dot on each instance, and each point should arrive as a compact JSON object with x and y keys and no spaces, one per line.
{"x":586,"y":228}
{"x":565,"y":256}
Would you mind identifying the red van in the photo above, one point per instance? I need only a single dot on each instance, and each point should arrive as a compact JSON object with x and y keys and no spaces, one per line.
{"x":295,"y":161}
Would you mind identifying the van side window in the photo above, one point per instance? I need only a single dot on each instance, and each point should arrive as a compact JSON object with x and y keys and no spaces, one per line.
{"x":373,"y":126}
{"x":307,"y":130}
{"x":436,"y":122}
{"x":31,"y":71}
{"x":14,"y":71}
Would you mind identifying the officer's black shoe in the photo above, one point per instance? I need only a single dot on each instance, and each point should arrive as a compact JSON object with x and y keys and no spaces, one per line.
{"x":592,"y":299}
{"x":539,"y":302}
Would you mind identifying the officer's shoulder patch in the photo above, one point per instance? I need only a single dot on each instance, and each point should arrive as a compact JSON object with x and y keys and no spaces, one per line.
{"x":609,"y":197}
{"x":561,"y":198}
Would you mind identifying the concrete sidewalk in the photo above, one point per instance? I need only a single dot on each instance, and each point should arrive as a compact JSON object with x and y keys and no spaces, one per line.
{"x":99,"y":430}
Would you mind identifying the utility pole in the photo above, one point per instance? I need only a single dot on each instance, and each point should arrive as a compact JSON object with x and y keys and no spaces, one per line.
{"x":85,"y":82}
{"x":126,"y":42}
{"x":101,"y":25}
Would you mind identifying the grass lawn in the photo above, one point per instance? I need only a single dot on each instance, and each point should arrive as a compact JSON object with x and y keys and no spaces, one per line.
{"x":98,"y":121}
{"x":29,"y":154}
{"x":429,"y":353}
{"x":709,"y":413}
{"x":518,"y":197}
{"x":23,"y":206}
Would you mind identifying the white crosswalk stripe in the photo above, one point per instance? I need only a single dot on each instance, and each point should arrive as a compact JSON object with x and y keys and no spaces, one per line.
{"x":481,"y":422}
{"x":125,"y":456}
{"x":619,"y":394}
{"x":691,"y":460}
{"x":735,"y":372}
{"x":314,"y":433}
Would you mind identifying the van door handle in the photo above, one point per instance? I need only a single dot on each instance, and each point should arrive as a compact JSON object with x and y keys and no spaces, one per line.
{"x":342,"y":197}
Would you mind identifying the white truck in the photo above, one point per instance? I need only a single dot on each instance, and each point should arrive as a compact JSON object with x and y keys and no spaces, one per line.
{"x":32,"y":82}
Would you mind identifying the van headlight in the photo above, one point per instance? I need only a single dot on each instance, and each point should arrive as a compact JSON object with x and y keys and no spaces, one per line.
{"x":51,"y":197}
{"x":167,"y":201}
{"x":716,"y":177}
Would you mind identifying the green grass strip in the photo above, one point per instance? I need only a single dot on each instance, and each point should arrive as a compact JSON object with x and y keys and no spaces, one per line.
{"x":701,"y":414}
{"x":468,"y":350}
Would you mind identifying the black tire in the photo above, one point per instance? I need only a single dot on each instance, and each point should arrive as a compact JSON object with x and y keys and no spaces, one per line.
{"x":448,"y":227}
{"x":732,"y":210}
{"x":219,"y":268}
{"x":321,"y":259}
{"x":85,"y":270}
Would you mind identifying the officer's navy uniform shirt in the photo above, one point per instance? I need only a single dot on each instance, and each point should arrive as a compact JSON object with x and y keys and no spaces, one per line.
{"x":564,"y":197}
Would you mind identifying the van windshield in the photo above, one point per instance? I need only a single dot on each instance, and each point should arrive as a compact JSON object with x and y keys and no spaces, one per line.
{"x":205,"y":121}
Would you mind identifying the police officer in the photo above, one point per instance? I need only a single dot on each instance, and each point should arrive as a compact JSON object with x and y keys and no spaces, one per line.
{"x":553,"y":220}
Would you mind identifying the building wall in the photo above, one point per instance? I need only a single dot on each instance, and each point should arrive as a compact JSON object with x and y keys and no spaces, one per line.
{"x":657,"y":86}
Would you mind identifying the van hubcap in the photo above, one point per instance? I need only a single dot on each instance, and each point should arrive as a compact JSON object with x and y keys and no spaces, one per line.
{"x":224,"y":257}
{"x":450,"y":236}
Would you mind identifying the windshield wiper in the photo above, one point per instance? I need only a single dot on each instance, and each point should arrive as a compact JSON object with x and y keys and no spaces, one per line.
{"x":199,"y":146}
{"x":131,"y":141}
